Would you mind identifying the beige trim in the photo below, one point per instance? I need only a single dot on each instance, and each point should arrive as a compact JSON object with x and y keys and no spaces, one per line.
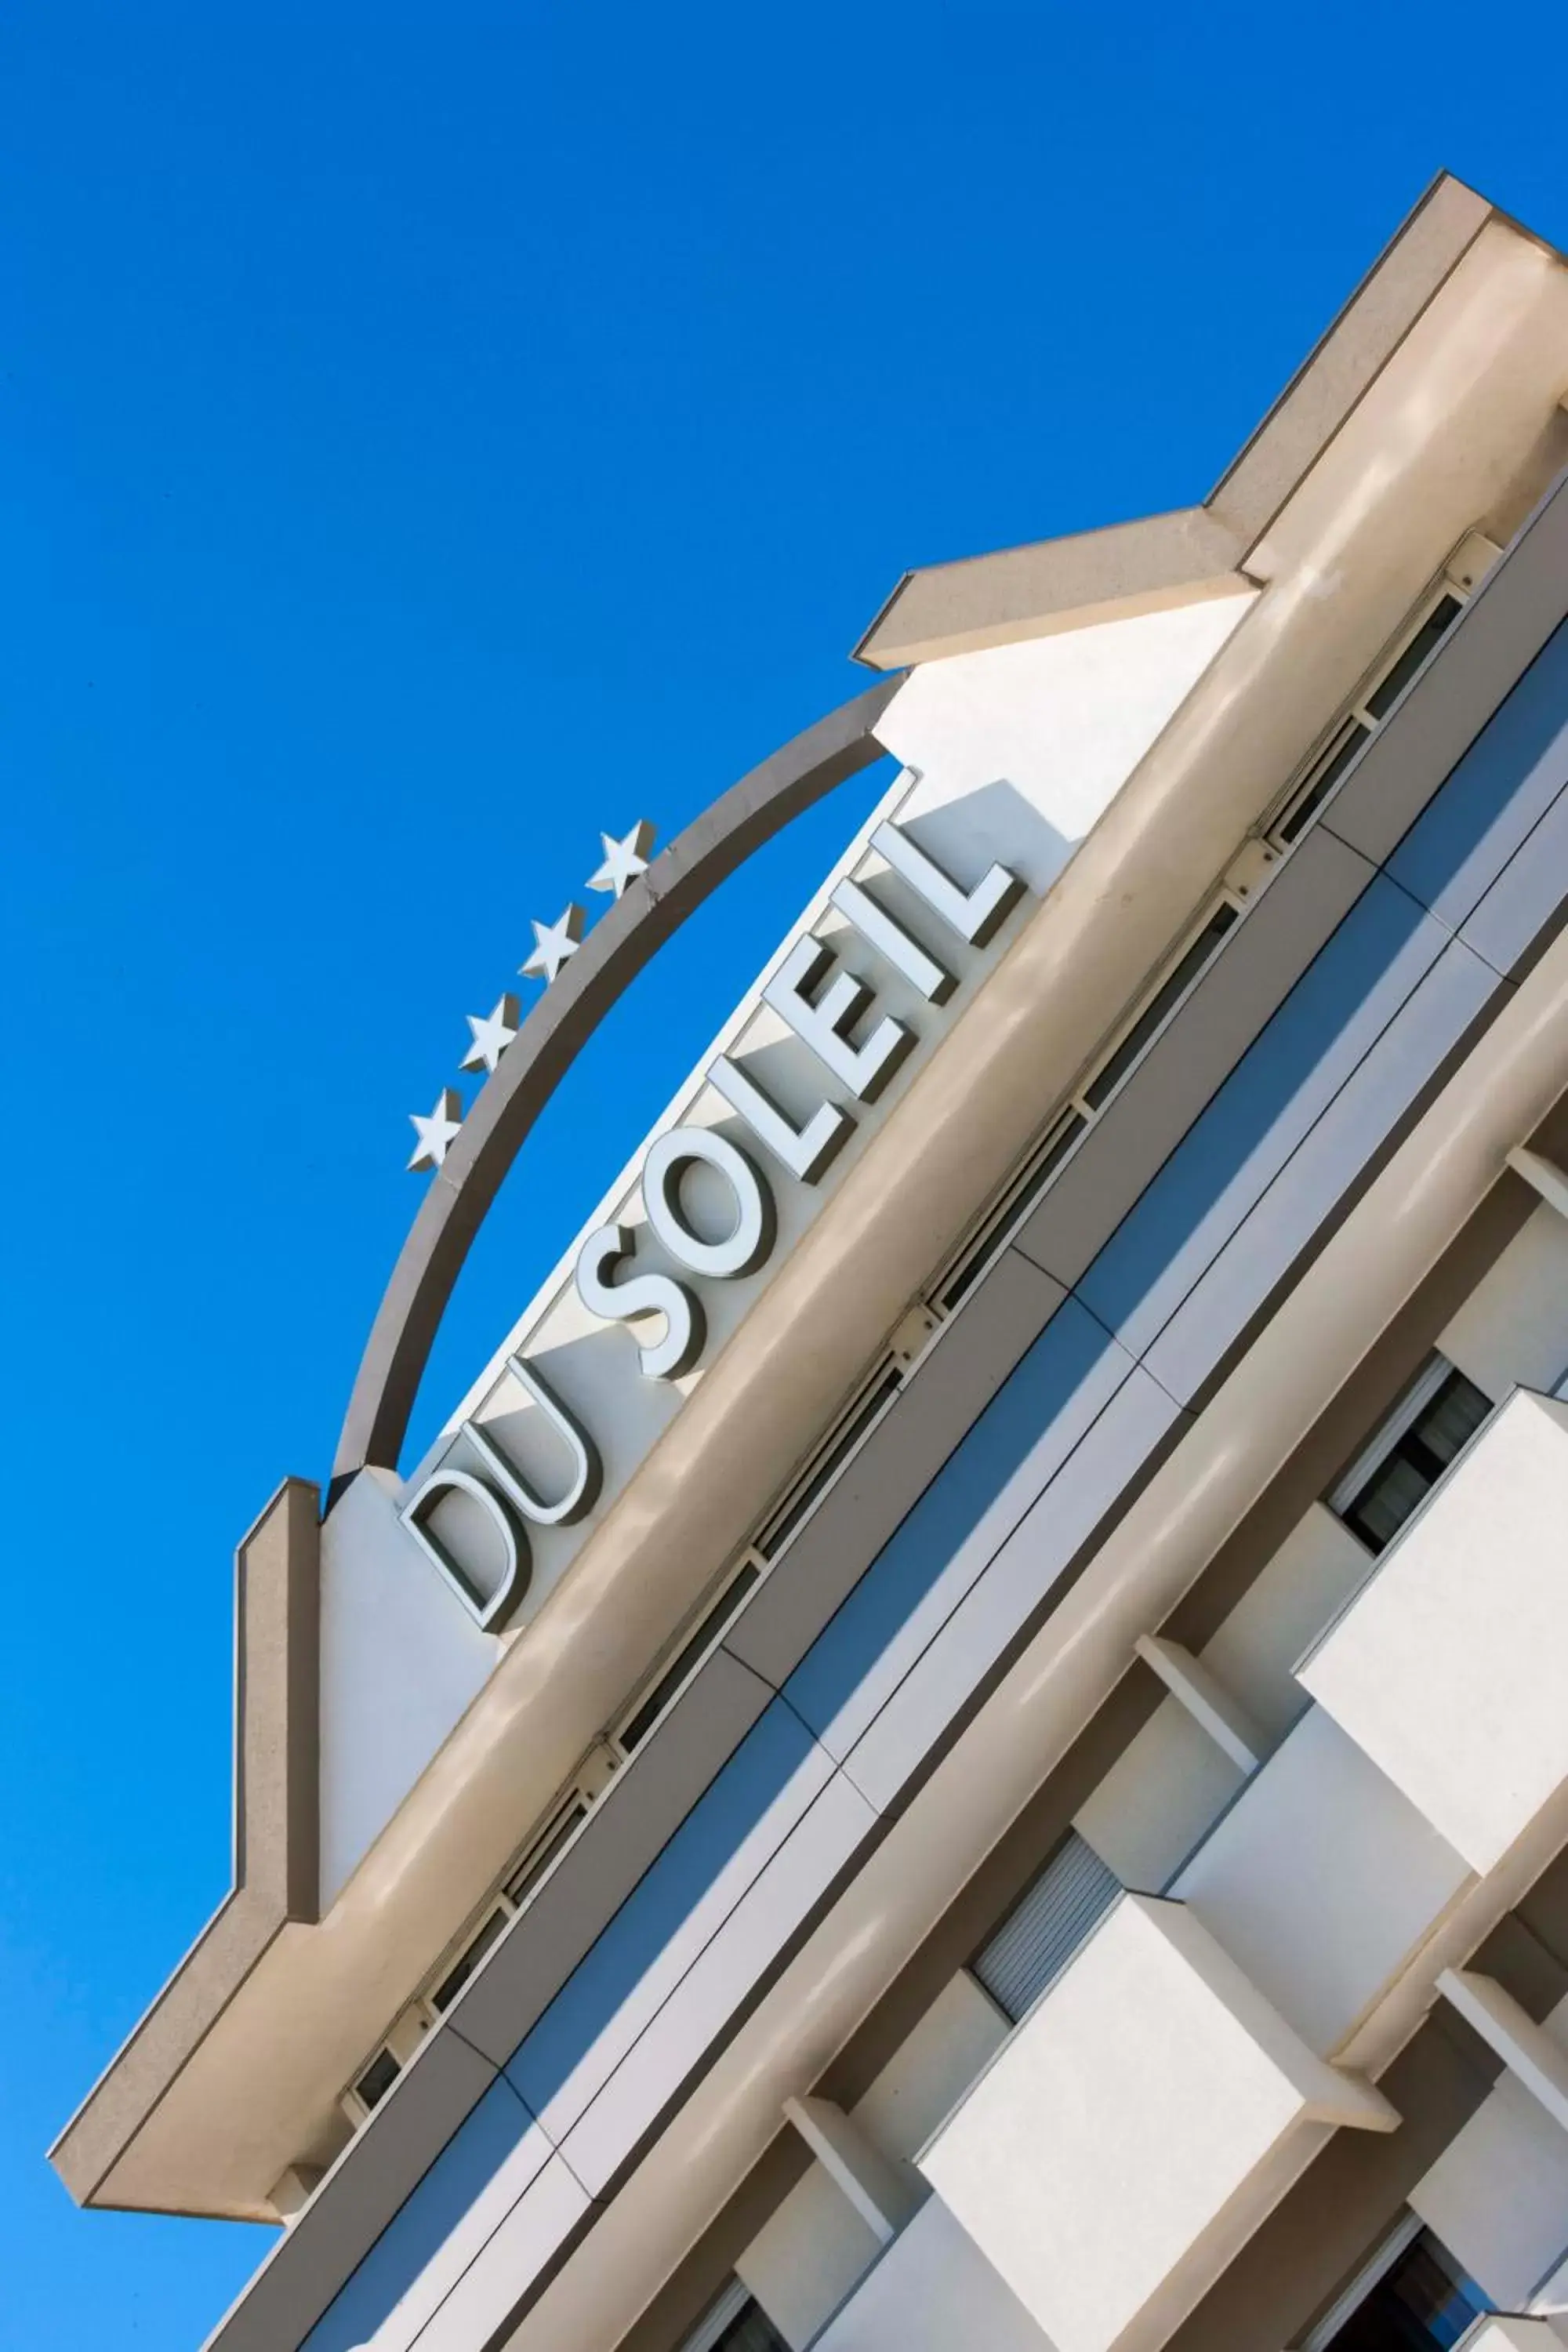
{"x":276,"y":1629}
{"x":1053,"y":585}
{"x":1412,"y":268}
{"x":1169,"y":559}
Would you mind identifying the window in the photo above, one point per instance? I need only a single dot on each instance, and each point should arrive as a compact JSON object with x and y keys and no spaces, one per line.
{"x":1054,"y":1914}
{"x":1086,"y":1103}
{"x":1321,"y":779}
{"x":452,"y":1983}
{"x":646,"y":1714}
{"x":840,"y":1444}
{"x":735,"y":2322}
{"x":368,"y":2089}
{"x":1165,"y":999}
{"x":1387,"y":683}
{"x":543,"y":1851}
{"x":1024,"y":1190}
{"x":1412,"y":2296}
{"x":1437,"y":1414}
{"x":377,"y":2080}
{"x":1426,"y":641}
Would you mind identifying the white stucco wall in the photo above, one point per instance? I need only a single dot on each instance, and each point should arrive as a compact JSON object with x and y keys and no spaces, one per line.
{"x":1139,"y":2122}
{"x":1435,"y":1670}
{"x":1168,"y":1785}
{"x":1063,"y":719}
{"x":1513,"y":1328}
{"x":1497,"y":2195}
{"x":1294,"y":1597}
{"x":933,"y":2291}
{"x":812,"y":2251}
{"x":399,"y":1665}
{"x":1322,"y":1881}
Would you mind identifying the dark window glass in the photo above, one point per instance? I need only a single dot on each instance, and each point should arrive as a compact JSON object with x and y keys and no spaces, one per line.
{"x":750,"y":2331}
{"x":1340,"y":754}
{"x":1105,"y":1085}
{"x":773,"y":1539}
{"x":452,"y":1984}
{"x":734,"y":2322}
{"x":1433,"y":629}
{"x":653,"y":1706}
{"x":378,"y":2078}
{"x":539,"y":1862}
{"x":1423,"y":2304}
{"x":1034,"y":1184}
{"x":1046,"y":1167}
{"x":1413,"y":1466}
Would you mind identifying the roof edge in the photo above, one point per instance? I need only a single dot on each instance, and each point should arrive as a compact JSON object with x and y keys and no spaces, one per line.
{"x":1048,"y":585}
{"x":275,"y":1837}
{"x":1348,"y":357}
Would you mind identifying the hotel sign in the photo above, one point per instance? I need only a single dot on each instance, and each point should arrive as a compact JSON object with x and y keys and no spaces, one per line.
{"x":473,"y":1512}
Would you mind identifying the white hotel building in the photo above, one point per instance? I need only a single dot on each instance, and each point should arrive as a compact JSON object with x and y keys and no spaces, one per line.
{"x":963,"y":1741}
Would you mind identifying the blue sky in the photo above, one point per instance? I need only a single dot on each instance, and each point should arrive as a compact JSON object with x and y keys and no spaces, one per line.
{"x":431,"y":435}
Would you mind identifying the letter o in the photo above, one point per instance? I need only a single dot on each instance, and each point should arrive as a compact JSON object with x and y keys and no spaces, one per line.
{"x":750,"y":1243}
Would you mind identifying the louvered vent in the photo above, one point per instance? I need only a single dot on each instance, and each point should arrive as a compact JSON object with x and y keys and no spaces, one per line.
{"x":1038,"y":1938}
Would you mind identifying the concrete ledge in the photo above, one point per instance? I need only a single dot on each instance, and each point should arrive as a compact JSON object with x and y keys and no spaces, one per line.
{"x":1425,"y":248}
{"x":1052,"y":583}
{"x":1057,"y":583}
{"x":1182,"y":2103}
{"x":275,"y":1842}
{"x":1444,"y":1667}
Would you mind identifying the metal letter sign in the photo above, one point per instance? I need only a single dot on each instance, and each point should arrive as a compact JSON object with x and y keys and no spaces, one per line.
{"x":483,"y":1550}
{"x":507,"y":1501}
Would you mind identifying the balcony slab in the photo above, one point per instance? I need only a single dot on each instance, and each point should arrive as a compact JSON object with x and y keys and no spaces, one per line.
{"x":1135,"y":2129}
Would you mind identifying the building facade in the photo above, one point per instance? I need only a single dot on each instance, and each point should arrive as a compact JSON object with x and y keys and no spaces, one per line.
{"x":963,"y":1738}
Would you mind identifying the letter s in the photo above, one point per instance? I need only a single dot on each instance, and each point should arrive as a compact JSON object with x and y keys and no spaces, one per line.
{"x":684,"y":1326}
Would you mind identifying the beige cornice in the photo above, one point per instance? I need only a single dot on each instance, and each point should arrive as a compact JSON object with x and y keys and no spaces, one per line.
{"x":277,"y":1617}
{"x":1171,"y":559}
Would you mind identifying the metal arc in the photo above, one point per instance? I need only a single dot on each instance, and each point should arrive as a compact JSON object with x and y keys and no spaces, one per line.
{"x":507,"y":1106}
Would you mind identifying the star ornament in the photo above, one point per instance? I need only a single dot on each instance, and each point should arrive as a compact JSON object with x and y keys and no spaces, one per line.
{"x":439,"y":1132}
{"x":624,"y":860}
{"x":491,"y":1036}
{"x":553,"y":944}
